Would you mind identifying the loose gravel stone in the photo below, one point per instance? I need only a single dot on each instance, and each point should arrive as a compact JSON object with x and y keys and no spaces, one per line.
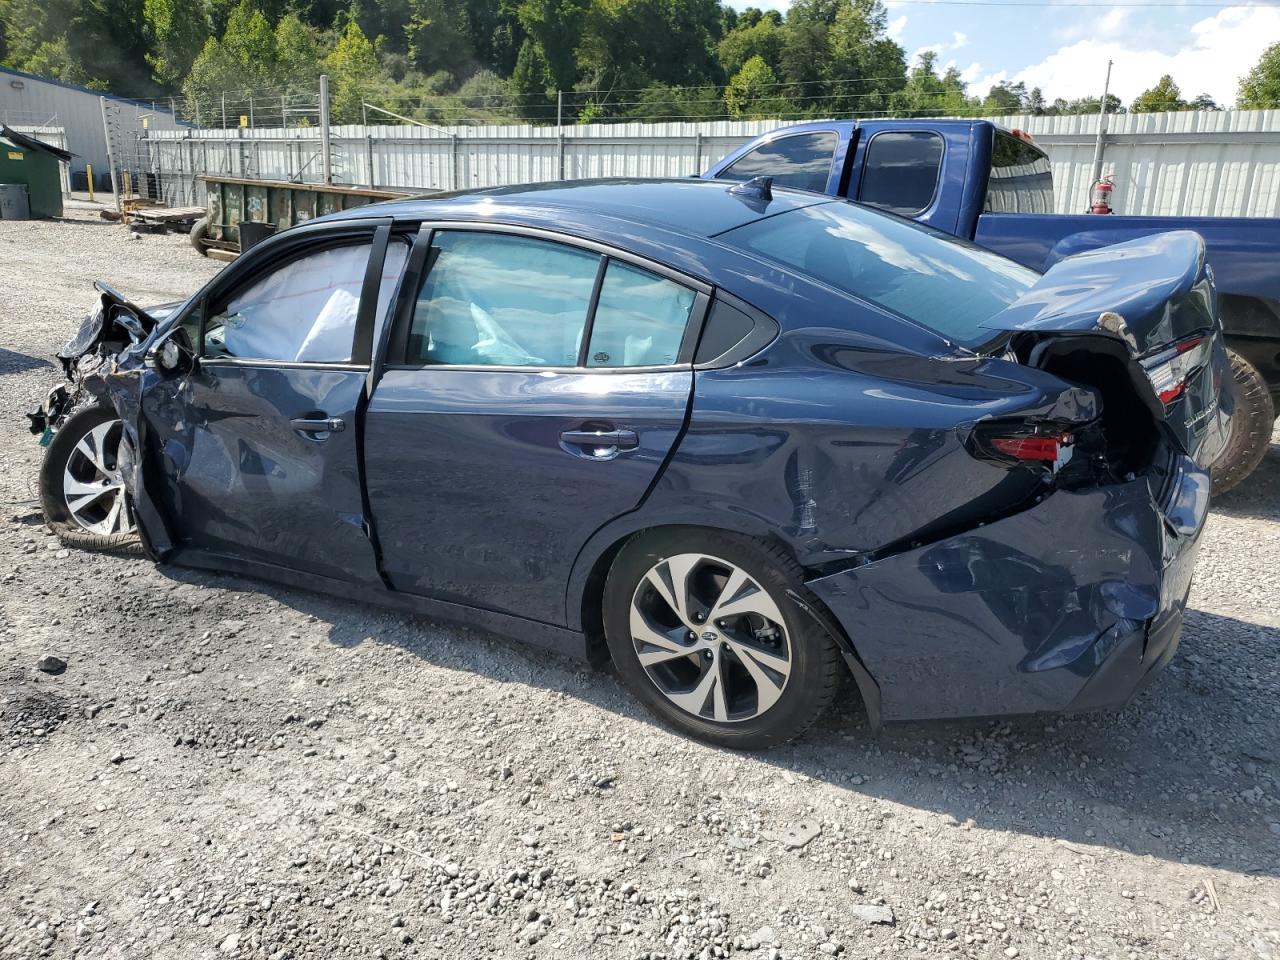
{"x":343,"y":781}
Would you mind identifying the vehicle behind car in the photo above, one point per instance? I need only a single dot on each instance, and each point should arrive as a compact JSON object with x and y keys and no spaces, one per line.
{"x":980,"y":182}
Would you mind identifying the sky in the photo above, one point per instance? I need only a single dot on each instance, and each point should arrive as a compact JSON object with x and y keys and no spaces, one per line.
{"x":1064,"y":49}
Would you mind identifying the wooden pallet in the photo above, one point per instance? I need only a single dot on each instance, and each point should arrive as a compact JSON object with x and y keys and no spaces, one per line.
{"x":168,"y":214}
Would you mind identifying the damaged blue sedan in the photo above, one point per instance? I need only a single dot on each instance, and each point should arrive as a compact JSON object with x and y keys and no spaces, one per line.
{"x":743,"y":441}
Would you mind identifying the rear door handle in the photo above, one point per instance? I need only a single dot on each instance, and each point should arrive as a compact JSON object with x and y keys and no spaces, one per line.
{"x":602,"y":443}
{"x":319,"y":424}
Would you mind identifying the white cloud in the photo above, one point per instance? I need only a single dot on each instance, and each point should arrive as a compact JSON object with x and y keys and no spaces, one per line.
{"x":958,"y":40}
{"x":1220,"y":49}
{"x":896,"y":26}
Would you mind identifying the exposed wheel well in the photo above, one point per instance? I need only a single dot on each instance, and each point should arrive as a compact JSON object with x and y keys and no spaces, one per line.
{"x":593,"y":590}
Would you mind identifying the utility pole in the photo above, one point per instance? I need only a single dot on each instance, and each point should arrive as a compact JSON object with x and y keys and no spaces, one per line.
{"x":1102,"y":127}
{"x":224,"y":110}
{"x":326,"y":157}
{"x":559,"y":108}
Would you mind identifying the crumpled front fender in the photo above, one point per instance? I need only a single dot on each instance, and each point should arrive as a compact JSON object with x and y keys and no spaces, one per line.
{"x":124,"y":383}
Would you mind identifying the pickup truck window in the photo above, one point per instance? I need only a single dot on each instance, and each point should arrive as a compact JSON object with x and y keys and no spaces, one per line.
{"x":946,"y":285}
{"x":900,"y":173}
{"x":1020,"y":181}
{"x":802,"y":161}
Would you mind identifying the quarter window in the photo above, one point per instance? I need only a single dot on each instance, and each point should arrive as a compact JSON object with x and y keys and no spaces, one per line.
{"x":640,"y":319}
{"x":900,"y":172}
{"x":802,"y":161}
{"x":502,"y":300}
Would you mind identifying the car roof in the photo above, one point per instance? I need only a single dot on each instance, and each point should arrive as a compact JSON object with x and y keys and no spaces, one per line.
{"x":688,"y":206}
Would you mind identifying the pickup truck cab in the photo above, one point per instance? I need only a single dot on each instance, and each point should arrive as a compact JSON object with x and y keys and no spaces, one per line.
{"x":976,"y":180}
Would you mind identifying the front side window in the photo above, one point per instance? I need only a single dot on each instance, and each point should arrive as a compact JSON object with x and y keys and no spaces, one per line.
{"x":302,"y":312}
{"x":900,"y":172}
{"x":943,"y":284}
{"x":501,"y":300}
{"x":640,"y":320}
{"x":1021,"y":180}
{"x":802,"y":161}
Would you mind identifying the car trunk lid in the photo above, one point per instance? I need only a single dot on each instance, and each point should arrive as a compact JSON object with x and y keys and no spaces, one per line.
{"x":1146,"y":307}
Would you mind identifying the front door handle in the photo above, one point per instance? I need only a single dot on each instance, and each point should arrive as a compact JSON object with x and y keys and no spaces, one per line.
{"x":601,"y":444}
{"x":319,"y":424}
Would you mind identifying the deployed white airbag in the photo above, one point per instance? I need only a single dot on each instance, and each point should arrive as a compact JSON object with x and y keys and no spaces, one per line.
{"x":305,"y":311}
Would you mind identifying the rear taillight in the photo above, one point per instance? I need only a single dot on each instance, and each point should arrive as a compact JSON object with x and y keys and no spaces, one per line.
{"x":1044,"y":448}
{"x":1170,"y":369}
{"x":1032,"y":446}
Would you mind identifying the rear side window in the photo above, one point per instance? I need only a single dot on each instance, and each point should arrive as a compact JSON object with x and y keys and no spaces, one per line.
{"x":640,"y":320}
{"x":802,"y":161}
{"x":502,"y":300}
{"x":900,"y":172}
{"x":1021,"y":181}
{"x":941,"y":283}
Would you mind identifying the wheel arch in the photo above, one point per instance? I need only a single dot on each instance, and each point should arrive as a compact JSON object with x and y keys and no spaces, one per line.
{"x":586,"y":591}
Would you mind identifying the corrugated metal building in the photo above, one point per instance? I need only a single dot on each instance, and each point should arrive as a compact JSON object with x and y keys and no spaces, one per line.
{"x":28,"y":102}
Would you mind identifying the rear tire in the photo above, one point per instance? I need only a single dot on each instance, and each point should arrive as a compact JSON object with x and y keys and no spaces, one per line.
{"x":741,"y":665}
{"x":97,"y":491}
{"x":1251,"y":424}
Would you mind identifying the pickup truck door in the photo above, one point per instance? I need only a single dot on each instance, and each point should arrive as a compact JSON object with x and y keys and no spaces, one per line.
{"x":921,"y":173}
{"x":533,"y":388}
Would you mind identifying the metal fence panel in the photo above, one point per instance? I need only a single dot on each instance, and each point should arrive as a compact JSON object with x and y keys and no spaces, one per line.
{"x":1224,"y":163}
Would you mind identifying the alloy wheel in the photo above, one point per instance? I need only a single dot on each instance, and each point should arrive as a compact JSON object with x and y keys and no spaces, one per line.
{"x":710,"y":638}
{"x":92,"y":485}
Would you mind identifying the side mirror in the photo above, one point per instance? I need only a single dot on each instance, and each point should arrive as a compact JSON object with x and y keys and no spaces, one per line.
{"x":174,"y":354}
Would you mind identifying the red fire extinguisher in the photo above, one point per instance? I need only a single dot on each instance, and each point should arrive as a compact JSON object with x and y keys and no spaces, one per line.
{"x":1100,"y":195}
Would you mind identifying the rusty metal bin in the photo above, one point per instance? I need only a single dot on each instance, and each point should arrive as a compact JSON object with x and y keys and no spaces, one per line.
{"x":277,"y":203}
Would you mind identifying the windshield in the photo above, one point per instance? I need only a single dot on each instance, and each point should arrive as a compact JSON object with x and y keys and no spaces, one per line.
{"x":937,"y":281}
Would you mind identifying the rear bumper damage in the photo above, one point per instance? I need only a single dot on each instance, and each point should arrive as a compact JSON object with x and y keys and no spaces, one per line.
{"x":1072,"y":604}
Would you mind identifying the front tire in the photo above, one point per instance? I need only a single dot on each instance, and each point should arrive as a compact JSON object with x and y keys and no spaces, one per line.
{"x":1251,"y":424}
{"x":82,"y":492}
{"x":702,"y":628}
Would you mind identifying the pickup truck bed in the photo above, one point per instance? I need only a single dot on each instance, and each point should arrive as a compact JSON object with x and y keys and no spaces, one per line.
{"x":978,"y":181}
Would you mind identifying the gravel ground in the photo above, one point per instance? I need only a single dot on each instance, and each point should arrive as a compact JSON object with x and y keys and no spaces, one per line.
{"x":230,"y":769}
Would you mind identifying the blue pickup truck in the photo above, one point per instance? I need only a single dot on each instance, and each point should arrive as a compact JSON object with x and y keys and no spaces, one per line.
{"x":993,"y":186}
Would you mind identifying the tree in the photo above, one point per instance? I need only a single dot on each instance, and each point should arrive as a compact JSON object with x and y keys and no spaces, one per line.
{"x":1260,"y":87}
{"x":556,"y":26}
{"x":177,"y":31}
{"x":927,"y":94}
{"x":1035,"y":102}
{"x":298,"y":55}
{"x":1164,"y":96}
{"x":864,"y":67}
{"x":436,"y":36}
{"x":529,"y":82}
{"x":354,"y":75}
{"x":1005,"y":98}
{"x":752,"y":91}
{"x":761,"y":36}
{"x":661,"y":101}
{"x":1204,"y":102}
{"x":1085,"y":105}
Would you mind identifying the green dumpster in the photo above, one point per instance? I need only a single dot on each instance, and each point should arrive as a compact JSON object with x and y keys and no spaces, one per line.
{"x":233,"y":200}
{"x":37,"y":165}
